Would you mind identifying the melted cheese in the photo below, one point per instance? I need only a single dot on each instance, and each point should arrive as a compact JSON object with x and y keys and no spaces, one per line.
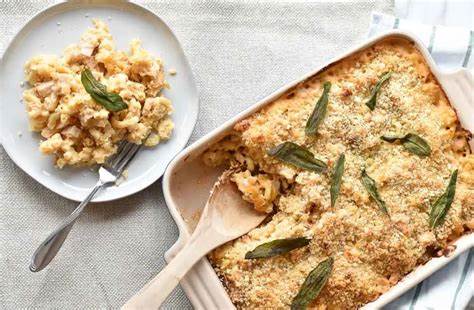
{"x":76,"y":129}
{"x":372,"y":252}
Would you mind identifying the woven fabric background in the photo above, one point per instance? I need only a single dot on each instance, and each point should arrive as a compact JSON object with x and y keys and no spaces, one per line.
{"x":239,"y":52}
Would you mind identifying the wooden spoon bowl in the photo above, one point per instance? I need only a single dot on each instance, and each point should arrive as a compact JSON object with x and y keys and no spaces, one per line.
{"x":226,"y":216}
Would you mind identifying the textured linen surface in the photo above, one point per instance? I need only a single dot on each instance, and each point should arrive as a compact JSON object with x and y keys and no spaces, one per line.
{"x":239,"y":52}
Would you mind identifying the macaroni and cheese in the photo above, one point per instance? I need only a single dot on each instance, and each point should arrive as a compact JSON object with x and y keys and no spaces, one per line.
{"x":372,"y":250}
{"x":76,"y":129}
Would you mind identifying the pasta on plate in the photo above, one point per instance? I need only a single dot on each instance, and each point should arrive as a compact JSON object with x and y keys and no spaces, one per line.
{"x":75,"y":127}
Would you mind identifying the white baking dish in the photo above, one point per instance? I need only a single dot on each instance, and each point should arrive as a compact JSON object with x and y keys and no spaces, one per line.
{"x":187,"y":182}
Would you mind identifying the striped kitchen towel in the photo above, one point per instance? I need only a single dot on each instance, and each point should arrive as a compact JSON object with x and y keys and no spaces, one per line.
{"x":453,"y":286}
{"x":451,"y":47}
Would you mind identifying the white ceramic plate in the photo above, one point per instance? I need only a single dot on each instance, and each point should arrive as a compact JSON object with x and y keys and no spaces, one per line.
{"x":187,"y":183}
{"x":43,"y":35}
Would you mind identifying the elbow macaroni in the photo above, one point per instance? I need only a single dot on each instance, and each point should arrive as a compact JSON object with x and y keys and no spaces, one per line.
{"x":76,"y":129}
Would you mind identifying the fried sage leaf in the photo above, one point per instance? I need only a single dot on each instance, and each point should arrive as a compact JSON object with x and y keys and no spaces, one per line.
{"x":298,"y":156}
{"x":371,"y":188}
{"x":111,"y":101}
{"x":440,"y":208}
{"x":319,"y":112}
{"x":412,"y":143}
{"x":416,"y":145}
{"x":313,"y":284}
{"x":337,"y":178}
{"x":277,"y":247}
{"x":373,"y":95}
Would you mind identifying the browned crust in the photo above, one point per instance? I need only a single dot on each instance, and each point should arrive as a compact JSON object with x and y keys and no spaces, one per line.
{"x":336,"y":294}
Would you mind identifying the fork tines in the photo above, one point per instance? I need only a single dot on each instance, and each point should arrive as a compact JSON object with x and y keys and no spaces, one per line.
{"x":125,"y":153}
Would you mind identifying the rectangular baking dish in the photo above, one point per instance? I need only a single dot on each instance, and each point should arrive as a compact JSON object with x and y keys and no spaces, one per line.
{"x":187,"y":182}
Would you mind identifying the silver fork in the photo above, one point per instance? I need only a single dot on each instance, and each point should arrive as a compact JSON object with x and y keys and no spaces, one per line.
{"x":108,"y":174}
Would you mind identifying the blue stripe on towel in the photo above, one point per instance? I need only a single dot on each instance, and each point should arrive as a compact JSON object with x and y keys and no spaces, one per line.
{"x":465,"y":271}
{"x":469,"y":50}
{"x":397,"y":23}
{"x":432,"y":39}
{"x":415,"y":297}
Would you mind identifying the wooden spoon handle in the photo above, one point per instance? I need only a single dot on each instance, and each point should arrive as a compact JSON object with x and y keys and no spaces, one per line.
{"x":152,"y":295}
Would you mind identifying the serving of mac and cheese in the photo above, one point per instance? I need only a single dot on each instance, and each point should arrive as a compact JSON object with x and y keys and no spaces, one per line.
{"x":76,"y":128}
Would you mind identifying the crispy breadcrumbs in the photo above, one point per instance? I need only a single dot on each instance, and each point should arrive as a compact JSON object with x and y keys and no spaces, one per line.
{"x":371,"y":251}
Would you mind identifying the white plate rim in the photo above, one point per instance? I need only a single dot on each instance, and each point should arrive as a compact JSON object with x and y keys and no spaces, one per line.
{"x":151,"y":178}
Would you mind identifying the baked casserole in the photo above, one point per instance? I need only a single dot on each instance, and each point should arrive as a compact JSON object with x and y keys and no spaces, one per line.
{"x":84,"y":102}
{"x":363,"y":169}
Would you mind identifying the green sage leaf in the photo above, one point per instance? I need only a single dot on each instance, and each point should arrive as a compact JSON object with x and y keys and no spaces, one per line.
{"x":416,"y":145}
{"x":440,"y":208}
{"x":298,"y":156}
{"x":277,"y":247}
{"x":371,"y":188}
{"x":391,"y":139}
{"x":412,"y":143}
{"x":373,"y":95}
{"x":319,"y":112}
{"x":337,"y":178}
{"x":313,"y":284}
{"x":111,"y":101}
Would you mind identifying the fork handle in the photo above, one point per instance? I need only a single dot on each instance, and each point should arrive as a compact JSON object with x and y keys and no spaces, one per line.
{"x":48,"y":249}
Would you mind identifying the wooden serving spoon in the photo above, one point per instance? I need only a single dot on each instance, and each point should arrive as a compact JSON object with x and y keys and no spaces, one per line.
{"x":225,"y":217}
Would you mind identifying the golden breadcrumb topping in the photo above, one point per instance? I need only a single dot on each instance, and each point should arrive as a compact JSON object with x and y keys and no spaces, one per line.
{"x":76,"y":129}
{"x":371,"y":251}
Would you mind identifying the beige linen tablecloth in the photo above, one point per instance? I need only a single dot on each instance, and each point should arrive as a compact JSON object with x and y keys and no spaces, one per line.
{"x":239,"y":52}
